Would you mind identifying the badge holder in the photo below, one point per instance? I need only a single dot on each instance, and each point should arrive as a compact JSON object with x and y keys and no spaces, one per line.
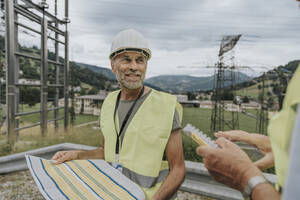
{"x":116,"y":163}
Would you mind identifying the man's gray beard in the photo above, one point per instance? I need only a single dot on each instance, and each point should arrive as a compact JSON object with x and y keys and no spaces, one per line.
{"x":131,"y":85}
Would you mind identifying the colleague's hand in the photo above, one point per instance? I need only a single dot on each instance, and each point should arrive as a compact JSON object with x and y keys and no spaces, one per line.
{"x":63,"y":156}
{"x":262,"y":142}
{"x":228,"y":164}
{"x":234,"y":135}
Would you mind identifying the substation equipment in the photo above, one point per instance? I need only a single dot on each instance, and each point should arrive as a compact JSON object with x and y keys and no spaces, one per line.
{"x":45,"y":23}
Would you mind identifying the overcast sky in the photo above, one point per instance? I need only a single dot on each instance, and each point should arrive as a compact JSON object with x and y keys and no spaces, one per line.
{"x":184,"y":35}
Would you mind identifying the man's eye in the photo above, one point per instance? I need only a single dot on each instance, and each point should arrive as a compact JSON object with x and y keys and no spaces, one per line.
{"x":127,"y":59}
{"x":140,"y":60}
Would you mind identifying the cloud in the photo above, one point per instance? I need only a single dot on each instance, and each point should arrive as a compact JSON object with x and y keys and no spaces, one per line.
{"x":186,"y":32}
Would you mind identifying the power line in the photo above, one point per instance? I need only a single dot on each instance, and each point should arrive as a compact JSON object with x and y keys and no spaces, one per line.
{"x":203,"y":21}
{"x":119,"y":3}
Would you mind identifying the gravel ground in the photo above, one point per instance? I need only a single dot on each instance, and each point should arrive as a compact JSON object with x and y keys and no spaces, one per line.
{"x":21,"y":186}
{"x":18,"y":186}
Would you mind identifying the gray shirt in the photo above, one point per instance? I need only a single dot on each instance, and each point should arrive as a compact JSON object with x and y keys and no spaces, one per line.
{"x":125,"y":105}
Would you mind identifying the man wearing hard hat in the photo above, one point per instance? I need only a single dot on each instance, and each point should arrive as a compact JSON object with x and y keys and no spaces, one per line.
{"x":141,"y":126}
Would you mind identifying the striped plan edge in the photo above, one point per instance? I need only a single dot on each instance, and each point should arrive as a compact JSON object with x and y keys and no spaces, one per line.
{"x":81,"y":179}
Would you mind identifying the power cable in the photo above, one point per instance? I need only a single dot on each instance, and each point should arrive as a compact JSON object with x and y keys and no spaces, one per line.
{"x":122,"y":3}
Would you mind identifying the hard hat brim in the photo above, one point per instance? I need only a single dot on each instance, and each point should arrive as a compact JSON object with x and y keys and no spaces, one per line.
{"x":145,"y":52}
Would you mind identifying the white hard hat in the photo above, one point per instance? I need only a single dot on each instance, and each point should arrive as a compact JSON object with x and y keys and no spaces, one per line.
{"x":129,"y":40}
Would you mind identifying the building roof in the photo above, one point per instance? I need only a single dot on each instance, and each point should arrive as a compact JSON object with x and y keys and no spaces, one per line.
{"x":190,"y":102}
{"x":100,"y":96}
{"x":94,"y":97}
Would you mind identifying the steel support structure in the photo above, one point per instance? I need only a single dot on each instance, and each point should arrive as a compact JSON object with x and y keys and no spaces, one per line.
{"x":224,"y":86}
{"x":45,"y":20}
{"x":17,"y":63}
{"x":66,"y":69}
{"x":56,"y":98}
{"x":225,"y":81}
{"x":44,"y":77}
{"x":217,"y":116}
{"x":10,"y":71}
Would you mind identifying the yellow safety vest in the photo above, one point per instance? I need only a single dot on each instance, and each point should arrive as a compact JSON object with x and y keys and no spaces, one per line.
{"x":145,"y":139}
{"x":281,"y":127}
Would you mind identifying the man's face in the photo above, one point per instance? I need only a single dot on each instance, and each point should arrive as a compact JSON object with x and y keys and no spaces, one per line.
{"x":130,"y":69}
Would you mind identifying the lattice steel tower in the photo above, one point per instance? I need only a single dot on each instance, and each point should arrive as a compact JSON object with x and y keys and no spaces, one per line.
{"x":225,"y":80}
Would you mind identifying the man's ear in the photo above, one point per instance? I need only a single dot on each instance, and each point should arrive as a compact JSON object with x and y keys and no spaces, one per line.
{"x":113,"y":66}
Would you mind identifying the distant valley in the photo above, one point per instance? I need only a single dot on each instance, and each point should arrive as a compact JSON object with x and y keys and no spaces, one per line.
{"x":186,"y":83}
{"x":174,"y":83}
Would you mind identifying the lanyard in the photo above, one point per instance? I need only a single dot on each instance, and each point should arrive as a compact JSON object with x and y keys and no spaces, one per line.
{"x":126,"y":117}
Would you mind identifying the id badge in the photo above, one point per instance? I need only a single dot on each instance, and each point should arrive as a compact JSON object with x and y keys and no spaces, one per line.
{"x":116,"y":163}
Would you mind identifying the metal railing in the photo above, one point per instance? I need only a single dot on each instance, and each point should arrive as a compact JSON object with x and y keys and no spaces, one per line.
{"x":197,"y":179}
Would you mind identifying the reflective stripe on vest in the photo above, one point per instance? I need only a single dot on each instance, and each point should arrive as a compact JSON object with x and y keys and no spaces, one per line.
{"x":145,"y":181}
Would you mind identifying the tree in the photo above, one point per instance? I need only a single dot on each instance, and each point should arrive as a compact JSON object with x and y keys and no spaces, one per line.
{"x":191,"y":96}
{"x":245,"y":99}
{"x":270,"y":102}
{"x":225,"y":95}
{"x":30,"y":95}
{"x":93,"y":91}
{"x":83,"y":91}
{"x":259,"y":86}
{"x":261,"y":97}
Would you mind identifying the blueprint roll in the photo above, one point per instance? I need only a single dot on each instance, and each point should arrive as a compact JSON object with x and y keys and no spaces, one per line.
{"x":81,"y":179}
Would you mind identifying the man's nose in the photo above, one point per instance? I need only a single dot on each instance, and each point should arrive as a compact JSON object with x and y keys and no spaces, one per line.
{"x":133,"y":66}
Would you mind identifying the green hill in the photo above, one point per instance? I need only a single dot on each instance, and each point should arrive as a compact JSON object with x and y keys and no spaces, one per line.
{"x":102,"y":70}
{"x":275,"y":82}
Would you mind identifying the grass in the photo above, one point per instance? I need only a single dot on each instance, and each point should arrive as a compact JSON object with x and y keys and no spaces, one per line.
{"x":200,"y":118}
{"x":32,"y":139}
{"x":79,"y":119}
{"x":87,"y":86}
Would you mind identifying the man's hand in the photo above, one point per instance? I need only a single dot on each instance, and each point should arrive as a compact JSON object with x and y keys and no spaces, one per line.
{"x":228,"y":164}
{"x":63,"y":156}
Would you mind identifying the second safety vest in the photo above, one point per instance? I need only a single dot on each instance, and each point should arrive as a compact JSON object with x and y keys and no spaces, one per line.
{"x":281,"y":127}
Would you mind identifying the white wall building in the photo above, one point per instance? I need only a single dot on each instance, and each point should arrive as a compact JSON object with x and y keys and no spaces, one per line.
{"x":88,"y":104}
{"x":183,"y":100}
